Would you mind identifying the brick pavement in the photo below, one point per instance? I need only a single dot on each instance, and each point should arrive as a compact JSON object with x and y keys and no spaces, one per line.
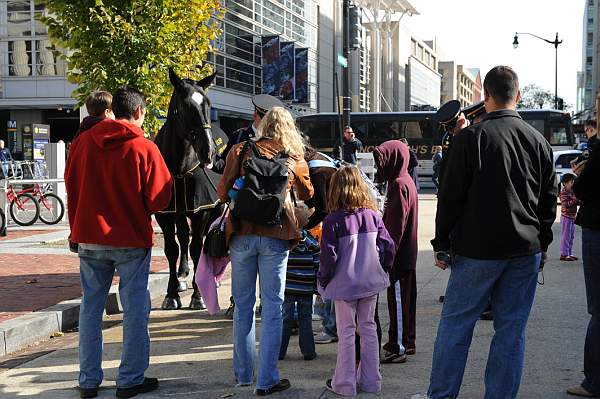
{"x":14,"y":234}
{"x":33,"y":282}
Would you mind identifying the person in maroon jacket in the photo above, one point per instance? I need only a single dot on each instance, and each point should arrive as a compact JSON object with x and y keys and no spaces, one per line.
{"x":115,"y":180}
{"x":400,"y":218}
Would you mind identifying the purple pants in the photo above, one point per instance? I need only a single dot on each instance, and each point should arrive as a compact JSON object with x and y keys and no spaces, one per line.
{"x":567,"y":236}
{"x":347,"y":375}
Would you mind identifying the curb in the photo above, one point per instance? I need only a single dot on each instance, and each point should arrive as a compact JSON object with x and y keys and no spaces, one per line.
{"x":22,"y":331}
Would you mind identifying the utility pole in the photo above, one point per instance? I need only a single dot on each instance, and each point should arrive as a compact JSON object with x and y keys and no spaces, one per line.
{"x":347,"y":100}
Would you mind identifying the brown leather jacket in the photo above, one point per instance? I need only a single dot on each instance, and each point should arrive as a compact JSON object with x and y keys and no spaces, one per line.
{"x":291,"y":223}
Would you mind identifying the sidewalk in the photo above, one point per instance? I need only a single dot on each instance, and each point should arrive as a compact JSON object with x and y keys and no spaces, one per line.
{"x":35,"y":276}
{"x":191,"y":352}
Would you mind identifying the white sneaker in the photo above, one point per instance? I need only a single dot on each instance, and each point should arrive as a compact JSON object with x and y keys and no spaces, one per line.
{"x":419,"y":396}
{"x":324,"y":338}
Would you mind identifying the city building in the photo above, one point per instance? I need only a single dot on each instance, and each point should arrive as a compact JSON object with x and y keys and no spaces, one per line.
{"x":408,"y":69}
{"x":34,"y":88}
{"x":460,"y":83}
{"x":587,"y":81}
{"x":33,"y":84}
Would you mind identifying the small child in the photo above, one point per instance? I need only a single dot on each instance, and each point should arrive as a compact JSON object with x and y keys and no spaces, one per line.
{"x":300,"y":284}
{"x":99,"y":107}
{"x":356,"y":254}
{"x":568,"y":210}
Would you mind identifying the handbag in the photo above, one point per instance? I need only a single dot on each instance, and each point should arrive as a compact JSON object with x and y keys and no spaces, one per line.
{"x":215,"y":243}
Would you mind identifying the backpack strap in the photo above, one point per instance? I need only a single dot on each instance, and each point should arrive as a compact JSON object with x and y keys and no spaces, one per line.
{"x":247,"y":145}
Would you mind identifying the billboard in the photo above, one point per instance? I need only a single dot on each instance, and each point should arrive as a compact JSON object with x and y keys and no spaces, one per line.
{"x":271,"y":73}
{"x":287,"y":67}
{"x":301,"y":86}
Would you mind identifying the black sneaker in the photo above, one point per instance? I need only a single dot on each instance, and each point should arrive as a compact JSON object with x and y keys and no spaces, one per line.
{"x":88,"y":392}
{"x":310,"y":356}
{"x":149,"y":385}
{"x":281,"y":386}
{"x":328,"y":385}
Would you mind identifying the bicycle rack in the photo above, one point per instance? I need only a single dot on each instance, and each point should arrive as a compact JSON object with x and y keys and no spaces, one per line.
{"x":4,"y":184}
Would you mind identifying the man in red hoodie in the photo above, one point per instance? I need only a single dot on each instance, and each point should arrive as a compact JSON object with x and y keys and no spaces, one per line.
{"x":400,"y":218}
{"x":115,"y":180}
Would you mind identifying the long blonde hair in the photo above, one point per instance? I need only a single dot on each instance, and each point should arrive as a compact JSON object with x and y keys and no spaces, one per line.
{"x":348,"y":191}
{"x":279,"y":126}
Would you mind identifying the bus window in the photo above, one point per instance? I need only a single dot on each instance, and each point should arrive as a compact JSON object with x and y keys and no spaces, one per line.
{"x":537,"y":123}
{"x":320,"y":132}
{"x":413,"y":130}
{"x":558,"y":135}
{"x":380,"y":131}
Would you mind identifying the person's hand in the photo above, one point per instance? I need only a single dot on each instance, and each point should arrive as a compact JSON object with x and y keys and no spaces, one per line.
{"x":461,"y":123}
{"x":543,"y":261}
{"x":438,"y":263}
{"x":578,"y":167}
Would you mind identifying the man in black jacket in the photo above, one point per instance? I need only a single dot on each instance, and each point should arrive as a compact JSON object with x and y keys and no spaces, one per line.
{"x":587,"y":190}
{"x":495,"y":215}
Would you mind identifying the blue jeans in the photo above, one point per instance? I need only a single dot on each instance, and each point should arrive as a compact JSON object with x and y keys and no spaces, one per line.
{"x":307,"y":341}
{"x":267,"y":257}
{"x":511,"y":284}
{"x":97,"y":270}
{"x":591,"y":270}
{"x":328,"y":322}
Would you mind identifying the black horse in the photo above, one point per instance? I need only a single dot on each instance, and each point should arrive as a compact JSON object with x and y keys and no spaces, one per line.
{"x":188,"y":144}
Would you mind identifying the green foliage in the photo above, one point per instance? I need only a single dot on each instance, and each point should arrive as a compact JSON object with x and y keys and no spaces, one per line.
{"x":115,"y":42}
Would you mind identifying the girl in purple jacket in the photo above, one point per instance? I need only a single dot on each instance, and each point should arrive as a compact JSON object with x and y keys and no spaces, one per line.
{"x":356,"y":256}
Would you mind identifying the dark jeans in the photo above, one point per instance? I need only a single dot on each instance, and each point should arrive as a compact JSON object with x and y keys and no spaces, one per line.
{"x":591,"y":271}
{"x":304,"y":307}
{"x":328,"y":323}
{"x":511,"y":283}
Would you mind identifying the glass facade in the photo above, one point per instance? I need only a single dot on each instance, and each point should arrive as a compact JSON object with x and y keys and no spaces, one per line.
{"x":26,"y":50}
{"x":238,"y":51}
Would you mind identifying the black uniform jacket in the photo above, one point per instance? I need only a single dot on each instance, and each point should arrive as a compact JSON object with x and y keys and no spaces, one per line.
{"x":498,"y":197}
{"x":587,"y":190}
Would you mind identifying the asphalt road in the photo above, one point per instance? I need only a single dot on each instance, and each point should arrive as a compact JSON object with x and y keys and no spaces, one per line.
{"x":192,"y":352}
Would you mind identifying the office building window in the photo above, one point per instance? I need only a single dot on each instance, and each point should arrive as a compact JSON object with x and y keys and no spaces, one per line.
{"x":28,"y":51}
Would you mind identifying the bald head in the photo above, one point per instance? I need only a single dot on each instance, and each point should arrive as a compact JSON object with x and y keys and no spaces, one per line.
{"x":1,"y":144}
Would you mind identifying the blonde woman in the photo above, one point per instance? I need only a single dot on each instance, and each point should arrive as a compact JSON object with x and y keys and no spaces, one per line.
{"x":258,"y":249}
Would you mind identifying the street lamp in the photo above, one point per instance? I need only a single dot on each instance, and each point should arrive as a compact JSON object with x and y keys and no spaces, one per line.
{"x":554,"y":42}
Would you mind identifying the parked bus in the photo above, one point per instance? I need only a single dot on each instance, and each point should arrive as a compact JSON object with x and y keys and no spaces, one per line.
{"x":422,"y":133}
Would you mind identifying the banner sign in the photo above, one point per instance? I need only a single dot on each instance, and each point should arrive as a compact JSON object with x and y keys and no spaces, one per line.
{"x":287,"y":64}
{"x":301,"y":55}
{"x":271,"y":73}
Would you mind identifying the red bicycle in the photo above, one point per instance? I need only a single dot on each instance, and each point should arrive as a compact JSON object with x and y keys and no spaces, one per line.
{"x":29,"y":204}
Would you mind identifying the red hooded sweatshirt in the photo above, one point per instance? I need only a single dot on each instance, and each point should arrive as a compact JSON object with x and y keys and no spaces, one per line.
{"x":115,"y":180}
{"x":401,"y":204}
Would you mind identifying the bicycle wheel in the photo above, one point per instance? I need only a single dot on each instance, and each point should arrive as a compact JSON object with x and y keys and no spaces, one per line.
{"x":24,"y":209}
{"x":2,"y":223}
{"x":52,"y":208}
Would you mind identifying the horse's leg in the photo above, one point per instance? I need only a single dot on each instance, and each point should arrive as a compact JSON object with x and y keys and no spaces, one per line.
{"x":200,"y":223}
{"x":183,"y":236}
{"x":167,"y":224}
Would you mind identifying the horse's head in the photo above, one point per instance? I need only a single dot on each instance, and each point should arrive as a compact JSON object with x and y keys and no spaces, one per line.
{"x":190,"y":107}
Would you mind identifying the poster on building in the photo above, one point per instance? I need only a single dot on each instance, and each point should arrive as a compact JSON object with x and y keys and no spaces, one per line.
{"x":301,"y":56}
{"x":271,"y":71}
{"x":288,"y":61}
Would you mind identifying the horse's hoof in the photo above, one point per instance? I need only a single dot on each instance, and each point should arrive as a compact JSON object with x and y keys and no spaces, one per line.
{"x":197,"y":303}
{"x":171,"y":304}
{"x":182,"y":286}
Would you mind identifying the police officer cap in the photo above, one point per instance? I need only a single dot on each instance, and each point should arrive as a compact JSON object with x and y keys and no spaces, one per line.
{"x":264,"y":102}
{"x":447,"y":112}
{"x":473,"y":111}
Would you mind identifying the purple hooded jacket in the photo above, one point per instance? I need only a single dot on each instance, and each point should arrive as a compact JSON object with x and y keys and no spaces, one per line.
{"x":401,"y":204}
{"x":356,"y":254}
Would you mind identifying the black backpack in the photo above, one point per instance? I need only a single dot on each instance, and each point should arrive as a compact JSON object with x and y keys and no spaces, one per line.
{"x":262,"y":198}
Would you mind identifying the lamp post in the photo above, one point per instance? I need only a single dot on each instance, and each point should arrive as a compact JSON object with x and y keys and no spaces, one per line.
{"x":554,"y":42}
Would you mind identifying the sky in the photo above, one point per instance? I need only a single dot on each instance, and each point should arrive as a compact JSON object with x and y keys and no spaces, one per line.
{"x":479,"y":34}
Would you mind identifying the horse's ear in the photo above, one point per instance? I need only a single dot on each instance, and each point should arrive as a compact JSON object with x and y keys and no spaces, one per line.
{"x":207,"y":81}
{"x":175,"y":80}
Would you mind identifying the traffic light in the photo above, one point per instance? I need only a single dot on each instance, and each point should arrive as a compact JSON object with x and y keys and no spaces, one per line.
{"x":355,"y":19}
{"x":561,"y":104}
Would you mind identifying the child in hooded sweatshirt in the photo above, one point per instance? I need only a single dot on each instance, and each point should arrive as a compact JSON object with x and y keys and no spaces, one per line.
{"x":400,"y":218}
{"x":356,"y":254}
